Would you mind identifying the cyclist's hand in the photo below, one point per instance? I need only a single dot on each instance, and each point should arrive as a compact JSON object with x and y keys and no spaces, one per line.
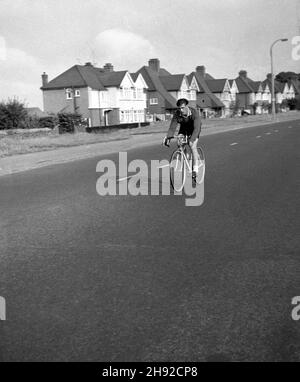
{"x":166,"y":141}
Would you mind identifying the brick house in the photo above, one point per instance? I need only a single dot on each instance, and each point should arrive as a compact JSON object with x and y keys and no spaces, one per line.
{"x":160,"y":103}
{"x":249,"y":93}
{"x":221,"y":89}
{"x":164,"y":89}
{"x":101,"y":95}
{"x":207,"y":102}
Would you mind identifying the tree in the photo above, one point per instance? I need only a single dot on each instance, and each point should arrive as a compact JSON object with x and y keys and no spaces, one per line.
{"x":13,"y":115}
{"x":287,"y":76}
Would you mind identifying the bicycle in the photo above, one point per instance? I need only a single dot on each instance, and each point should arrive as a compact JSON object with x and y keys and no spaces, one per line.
{"x":181,"y":161}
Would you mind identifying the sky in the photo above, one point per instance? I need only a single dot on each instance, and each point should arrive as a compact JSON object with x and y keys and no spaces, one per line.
{"x":225,"y":36}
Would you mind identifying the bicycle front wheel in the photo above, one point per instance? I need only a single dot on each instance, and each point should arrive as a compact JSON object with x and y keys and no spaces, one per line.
{"x":201,"y":166}
{"x":177,"y":170}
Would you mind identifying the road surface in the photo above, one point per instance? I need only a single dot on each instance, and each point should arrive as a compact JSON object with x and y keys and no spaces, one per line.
{"x":145,"y":278}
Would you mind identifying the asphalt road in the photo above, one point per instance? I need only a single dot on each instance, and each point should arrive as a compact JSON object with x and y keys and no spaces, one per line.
{"x":145,"y":278}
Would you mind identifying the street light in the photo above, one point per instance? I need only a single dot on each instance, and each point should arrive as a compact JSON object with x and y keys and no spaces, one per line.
{"x":272,"y":74}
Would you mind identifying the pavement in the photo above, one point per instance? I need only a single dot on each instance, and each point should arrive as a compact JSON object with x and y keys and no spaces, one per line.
{"x":145,"y":278}
{"x":139,"y":138}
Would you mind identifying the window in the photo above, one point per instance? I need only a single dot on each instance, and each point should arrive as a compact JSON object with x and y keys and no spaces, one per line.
{"x":77,"y":93}
{"x":193,"y":95}
{"x":153,"y":101}
{"x":140,"y":93}
{"x":69,"y":93}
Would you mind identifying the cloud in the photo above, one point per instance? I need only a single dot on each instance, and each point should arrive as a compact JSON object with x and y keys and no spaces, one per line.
{"x":124,"y":49}
{"x":20,"y":76}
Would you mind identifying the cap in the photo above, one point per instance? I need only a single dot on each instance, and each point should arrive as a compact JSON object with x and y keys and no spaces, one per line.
{"x":182,"y":101}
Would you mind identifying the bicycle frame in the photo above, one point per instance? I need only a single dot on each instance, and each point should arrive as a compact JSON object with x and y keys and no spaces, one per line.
{"x":182,"y":141}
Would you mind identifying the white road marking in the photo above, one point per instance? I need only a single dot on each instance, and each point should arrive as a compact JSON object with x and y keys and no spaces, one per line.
{"x":276,"y":131}
{"x":233,"y":144}
{"x":127,"y":177}
{"x":258,"y":136}
{"x":268,"y":133}
{"x":290,"y":127}
{"x":166,"y":165}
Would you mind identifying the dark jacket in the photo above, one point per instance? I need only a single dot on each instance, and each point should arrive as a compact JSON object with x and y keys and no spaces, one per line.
{"x":190,"y":126}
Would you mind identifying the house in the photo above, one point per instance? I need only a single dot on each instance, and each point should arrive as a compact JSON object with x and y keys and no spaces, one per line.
{"x":164,"y":89}
{"x":280,"y":90}
{"x":101,"y":95}
{"x":223,"y":91}
{"x":295,"y":84}
{"x":252,"y":96}
{"x":207,"y":102}
{"x":160,"y":102}
{"x":179,"y":86}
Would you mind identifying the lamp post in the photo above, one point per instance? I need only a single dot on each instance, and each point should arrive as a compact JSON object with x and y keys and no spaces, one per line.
{"x":272,"y":74}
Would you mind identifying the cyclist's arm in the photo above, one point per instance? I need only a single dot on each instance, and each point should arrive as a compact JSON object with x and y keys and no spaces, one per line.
{"x":197,"y":127}
{"x":172,"y":127}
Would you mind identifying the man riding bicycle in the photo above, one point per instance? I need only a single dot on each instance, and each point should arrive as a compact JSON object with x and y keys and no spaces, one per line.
{"x":190,"y":124}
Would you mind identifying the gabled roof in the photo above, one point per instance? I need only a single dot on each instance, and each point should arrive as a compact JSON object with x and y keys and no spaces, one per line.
{"x":296,"y":84}
{"x":172,"y":82}
{"x":112,"y":79}
{"x":163,"y":72}
{"x":77,"y":76}
{"x":134,"y":76}
{"x":190,"y":77}
{"x":277,"y":86}
{"x":154,"y":83}
{"x":211,"y":99}
{"x":208,"y":77}
{"x":244,"y":86}
{"x":216,"y":86}
{"x":255,"y":85}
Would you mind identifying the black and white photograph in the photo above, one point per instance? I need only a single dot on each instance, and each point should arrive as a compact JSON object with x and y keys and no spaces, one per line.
{"x":149,"y":184}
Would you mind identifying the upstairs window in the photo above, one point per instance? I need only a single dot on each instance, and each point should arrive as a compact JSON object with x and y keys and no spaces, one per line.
{"x":69,"y":93}
{"x":77,"y":93}
{"x":153,"y":101}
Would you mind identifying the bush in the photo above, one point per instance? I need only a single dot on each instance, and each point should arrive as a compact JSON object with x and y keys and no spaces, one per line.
{"x":68,"y":122}
{"x":294,"y":104}
{"x":13,"y":115}
{"x":47,"y":122}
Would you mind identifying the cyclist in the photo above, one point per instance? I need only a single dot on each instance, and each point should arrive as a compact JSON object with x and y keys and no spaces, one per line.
{"x":190,"y":124}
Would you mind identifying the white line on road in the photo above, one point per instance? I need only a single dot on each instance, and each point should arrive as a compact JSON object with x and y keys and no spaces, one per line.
{"x":166,"y":165}
{"x":276,"y":131}
{"x":127,"y":177}
{"x":290,"y":127}
{"x":268,"y":133}
{"x":258,"y":136}
{"x":233,"y":144}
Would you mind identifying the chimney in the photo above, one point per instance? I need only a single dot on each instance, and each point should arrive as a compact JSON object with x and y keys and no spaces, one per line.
{"x":108,"y":68}
{"x":243,"y":74}
{"x":154,"y":64}
{"x":201,"y":70}
{"x":269,"y":76}
{"x":44,"y":79}
{"x":88,"y":64}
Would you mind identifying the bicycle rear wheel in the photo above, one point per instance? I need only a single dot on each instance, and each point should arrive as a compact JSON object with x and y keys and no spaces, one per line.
{"x":201,"y":166}
{"x":177,"y":170}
